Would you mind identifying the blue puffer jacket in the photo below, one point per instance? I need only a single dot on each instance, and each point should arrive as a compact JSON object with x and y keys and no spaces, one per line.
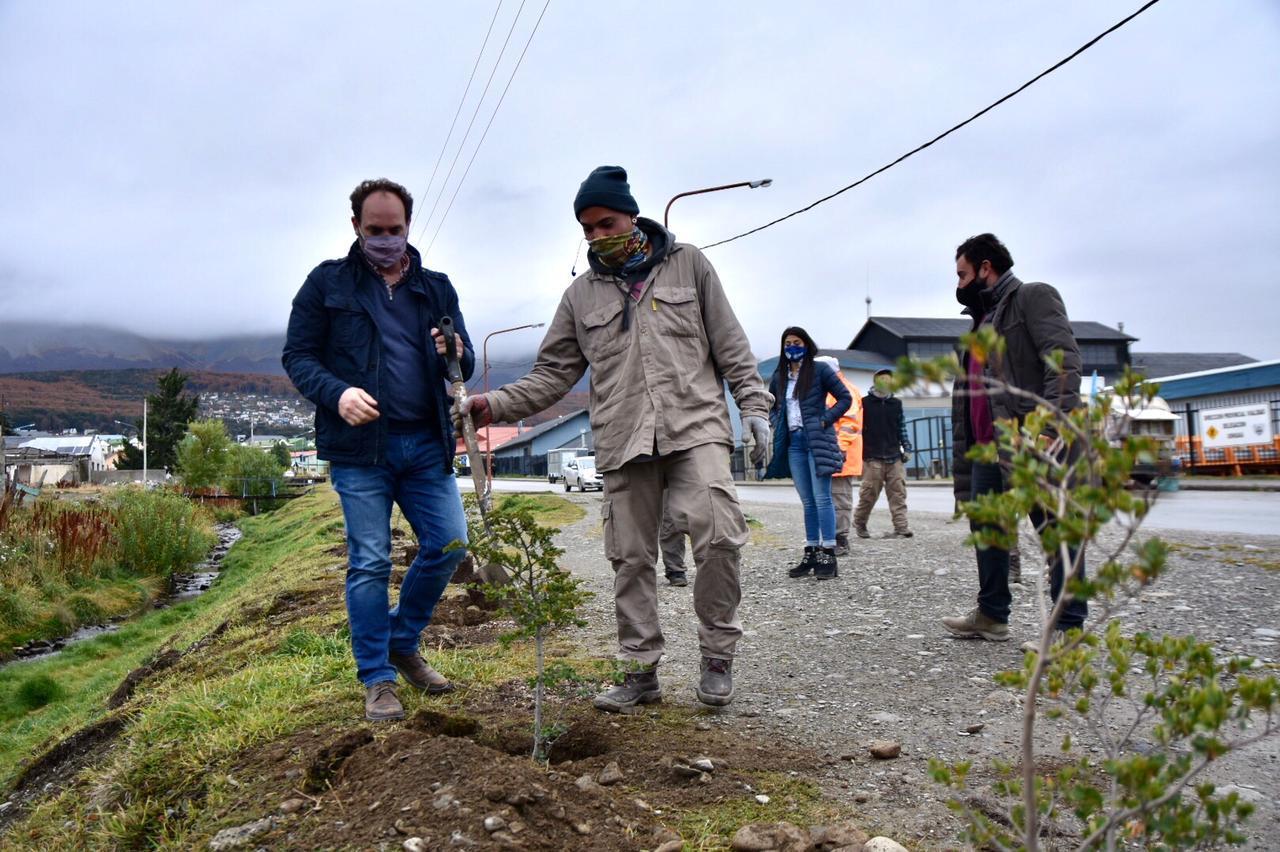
{"x":818,"y":422}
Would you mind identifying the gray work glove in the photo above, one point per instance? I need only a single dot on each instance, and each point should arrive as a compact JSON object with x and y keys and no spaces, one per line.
{"x":759,"y":428}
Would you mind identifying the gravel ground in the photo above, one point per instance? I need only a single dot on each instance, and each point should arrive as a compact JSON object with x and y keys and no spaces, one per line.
{"x":838,"y":664}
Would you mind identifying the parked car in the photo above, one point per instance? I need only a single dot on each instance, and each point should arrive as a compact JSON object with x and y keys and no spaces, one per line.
{"x":557,"y":458}
{"x":582,"y":473}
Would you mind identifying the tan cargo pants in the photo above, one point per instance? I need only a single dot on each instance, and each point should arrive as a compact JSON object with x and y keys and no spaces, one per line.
{"x":702,"y":500}
{"x":842,"y":498}
{"x":670,"y":541}
{"x":892,"y":477}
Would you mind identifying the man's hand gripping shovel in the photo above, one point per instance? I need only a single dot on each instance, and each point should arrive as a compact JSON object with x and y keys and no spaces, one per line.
{"x":492,"y":574}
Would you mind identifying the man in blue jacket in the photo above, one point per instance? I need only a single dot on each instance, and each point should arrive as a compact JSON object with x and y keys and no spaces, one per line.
{"x":363,"y":346}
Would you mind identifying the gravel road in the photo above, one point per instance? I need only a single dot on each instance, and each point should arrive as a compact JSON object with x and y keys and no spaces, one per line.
{"x":838,"y":664}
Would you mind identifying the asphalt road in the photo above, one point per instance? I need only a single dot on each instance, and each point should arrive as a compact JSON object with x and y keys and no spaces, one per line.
{"x":1243,"y":512}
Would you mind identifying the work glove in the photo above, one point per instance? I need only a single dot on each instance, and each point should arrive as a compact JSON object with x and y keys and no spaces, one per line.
{"x":759,"y":428}
{"x":906,"y":457}
{"x":477,"y":408}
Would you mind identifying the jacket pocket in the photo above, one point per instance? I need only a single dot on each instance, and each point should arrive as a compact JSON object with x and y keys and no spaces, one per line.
{"x":601,"y":334}
{"x":677,"y":310}
{"x":728,"y":526}
{"x":349,"y":324}
{"x":610,"y":540}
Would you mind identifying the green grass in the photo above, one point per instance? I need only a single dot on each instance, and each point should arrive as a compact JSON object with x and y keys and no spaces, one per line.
{"x":549,"y":509}
{"x":263,"y":679}
{"x":88,"y":672}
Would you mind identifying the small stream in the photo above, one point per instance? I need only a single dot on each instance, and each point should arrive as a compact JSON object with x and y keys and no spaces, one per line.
{"x":182,"y":587}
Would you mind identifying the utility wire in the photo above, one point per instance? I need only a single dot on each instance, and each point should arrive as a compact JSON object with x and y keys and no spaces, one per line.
{"x":1090,"y":43}
{"x":439,"y":157}
{"x":485,"y":134}
{"x":463,"y":142}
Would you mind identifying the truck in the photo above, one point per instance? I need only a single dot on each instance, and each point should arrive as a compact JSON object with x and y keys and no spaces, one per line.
{"x":557,"y":458}
{"x":1153,"y":420}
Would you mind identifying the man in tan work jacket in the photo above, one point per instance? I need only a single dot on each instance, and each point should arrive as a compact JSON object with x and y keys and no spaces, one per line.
{"x":652,"y":322}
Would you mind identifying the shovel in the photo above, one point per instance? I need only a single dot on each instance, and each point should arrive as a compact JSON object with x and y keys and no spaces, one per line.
{"x":494,"y":575}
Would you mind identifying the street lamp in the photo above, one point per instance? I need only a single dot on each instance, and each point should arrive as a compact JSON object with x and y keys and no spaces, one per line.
{"x":750,"y":184}
{"x":484,"y":355}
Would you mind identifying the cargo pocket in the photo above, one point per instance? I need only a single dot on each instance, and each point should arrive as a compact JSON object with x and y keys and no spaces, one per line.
{"x":610,"y":541}
{"x":728,"y":526}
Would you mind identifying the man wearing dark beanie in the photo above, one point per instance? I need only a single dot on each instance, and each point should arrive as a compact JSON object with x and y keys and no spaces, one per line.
{"x":652,"y":322}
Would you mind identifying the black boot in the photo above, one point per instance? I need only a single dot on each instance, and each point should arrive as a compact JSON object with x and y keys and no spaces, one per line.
{"x":827,"y":568}
{"x":716,"y":684}
{"x":807,"y":564}
{"x":639,"y":687}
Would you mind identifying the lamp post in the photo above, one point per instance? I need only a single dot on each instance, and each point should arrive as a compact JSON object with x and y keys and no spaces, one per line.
{"x":750,"y":184}
{"x":143,"y":436}
{"x":484,"y":355}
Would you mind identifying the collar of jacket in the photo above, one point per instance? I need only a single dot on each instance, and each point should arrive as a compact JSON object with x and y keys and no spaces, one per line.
{"x":1005,"y":284}
{"x":662,"y":243}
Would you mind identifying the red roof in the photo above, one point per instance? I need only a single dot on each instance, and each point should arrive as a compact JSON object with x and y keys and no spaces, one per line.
{"x":499,"y":435}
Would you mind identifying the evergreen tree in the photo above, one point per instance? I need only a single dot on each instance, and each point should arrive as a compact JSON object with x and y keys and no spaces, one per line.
{"x":169,"y":410}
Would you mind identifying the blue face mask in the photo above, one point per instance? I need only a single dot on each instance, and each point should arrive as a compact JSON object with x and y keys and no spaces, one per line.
{"x":794,"y":353}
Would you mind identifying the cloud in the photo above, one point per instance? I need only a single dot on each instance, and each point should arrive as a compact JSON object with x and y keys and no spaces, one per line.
{"x":182,"y":166}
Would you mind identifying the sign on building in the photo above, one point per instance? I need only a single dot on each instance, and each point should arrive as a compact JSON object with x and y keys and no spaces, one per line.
{"x":1236,"y":426}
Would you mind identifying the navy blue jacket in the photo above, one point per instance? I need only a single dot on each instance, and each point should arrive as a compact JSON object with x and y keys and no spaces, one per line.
{"x":819,"y":422}
{"x":333,"y":344}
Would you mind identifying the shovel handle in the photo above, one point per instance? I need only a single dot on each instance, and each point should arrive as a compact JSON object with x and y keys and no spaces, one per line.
{"x":450,"y":348}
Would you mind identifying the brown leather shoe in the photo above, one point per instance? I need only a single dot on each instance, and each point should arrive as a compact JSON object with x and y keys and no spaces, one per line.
{"x":381,"y":704}
{"x":415,"y":670}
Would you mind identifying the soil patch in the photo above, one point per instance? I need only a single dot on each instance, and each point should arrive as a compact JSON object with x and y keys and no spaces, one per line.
{"x":458,"y":622}
{"x":445,"y":771}
{"x":60,"y":764}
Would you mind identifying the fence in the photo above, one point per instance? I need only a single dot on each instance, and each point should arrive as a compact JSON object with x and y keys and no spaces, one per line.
{"x":1194,"y":457}
{"x":931,"y":447}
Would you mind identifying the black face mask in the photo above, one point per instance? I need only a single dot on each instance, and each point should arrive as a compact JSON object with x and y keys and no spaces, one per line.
{"x":970,"y":295}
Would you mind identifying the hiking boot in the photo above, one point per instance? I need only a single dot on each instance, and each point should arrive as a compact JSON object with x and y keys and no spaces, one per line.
{"x":640,"y":687}
{"x":842,"y":545}
{"x":862,"y":532}
{"x":716,"y":685}
{"x":807,"y":564}
{"x":418,"y":674}
{"x":976,"y":625}
{"x":903,"y":533}
{"x":827,"y":567}
{"x":677,"y":578}
{"x":381,"y":704}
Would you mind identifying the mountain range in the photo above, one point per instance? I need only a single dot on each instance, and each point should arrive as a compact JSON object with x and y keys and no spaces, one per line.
{"x":28,"y":347}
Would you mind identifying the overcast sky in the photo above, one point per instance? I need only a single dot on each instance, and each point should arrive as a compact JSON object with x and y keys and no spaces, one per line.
{"x":176,"y":169}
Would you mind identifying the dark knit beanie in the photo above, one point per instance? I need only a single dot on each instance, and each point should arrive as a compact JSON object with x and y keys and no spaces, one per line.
{"x":606,"y":186}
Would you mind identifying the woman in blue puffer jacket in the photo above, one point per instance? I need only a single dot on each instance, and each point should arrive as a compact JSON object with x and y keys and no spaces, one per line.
{"x":805,"y":445}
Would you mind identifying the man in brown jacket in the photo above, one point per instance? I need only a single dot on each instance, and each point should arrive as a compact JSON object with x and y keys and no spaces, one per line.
{"x":651,"y":320}
{"x":1033,"y":322}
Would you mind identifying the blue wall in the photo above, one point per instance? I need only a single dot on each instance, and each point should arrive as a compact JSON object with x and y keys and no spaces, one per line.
{"x":555,"y":437}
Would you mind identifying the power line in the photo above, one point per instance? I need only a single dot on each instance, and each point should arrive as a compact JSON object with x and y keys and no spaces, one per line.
{"x":485,"y":134}
{"x":1090,"y":43}
{"x":463,"y":142}
{"x":461,"y":101}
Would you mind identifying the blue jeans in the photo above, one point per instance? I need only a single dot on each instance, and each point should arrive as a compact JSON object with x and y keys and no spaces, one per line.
{"x":814,"y":491}
{"x":994,"y":597}
{"x":413,"y":475}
